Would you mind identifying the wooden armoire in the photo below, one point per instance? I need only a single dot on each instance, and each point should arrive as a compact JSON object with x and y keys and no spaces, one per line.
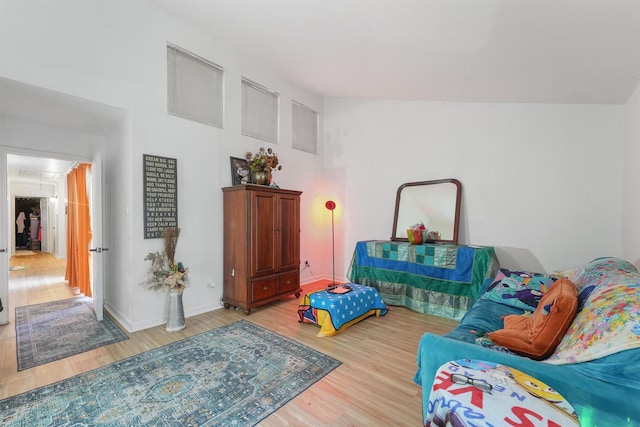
{"x":261,"y":245}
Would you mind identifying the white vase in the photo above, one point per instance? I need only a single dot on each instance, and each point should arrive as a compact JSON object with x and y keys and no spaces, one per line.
{"x":175,"y":319}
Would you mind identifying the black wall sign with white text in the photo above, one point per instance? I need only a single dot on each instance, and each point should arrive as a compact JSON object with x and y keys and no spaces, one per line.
{"x":160,"y":194}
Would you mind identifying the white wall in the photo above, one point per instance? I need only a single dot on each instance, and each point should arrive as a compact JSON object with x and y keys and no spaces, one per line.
{"x":541,"y":183}
{"x":631,"y":189}
{"x":114,"y":53}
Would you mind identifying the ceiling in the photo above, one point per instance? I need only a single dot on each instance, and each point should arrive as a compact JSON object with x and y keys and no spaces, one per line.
{"x":532,"y":51}
{"x":36,"y":170}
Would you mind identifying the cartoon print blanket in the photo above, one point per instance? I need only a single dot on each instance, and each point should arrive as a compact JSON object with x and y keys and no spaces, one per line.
{"x":485,"y":394}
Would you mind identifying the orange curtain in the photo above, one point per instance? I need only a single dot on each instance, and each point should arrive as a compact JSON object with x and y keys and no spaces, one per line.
{"x":78,"y":229}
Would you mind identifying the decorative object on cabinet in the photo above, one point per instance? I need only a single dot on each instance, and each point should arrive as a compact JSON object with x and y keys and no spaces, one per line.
{"x":240,"y":172}
{"x":261,"y":236}
{"x":165,"y":273}
{"x":436,"y":204}
{"x":417,"y":234}
{"x":331,"y":205}
{"x":262,"y":164}
{"x":261,"y":177}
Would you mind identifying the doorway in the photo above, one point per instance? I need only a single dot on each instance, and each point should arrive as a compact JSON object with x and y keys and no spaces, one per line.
{"x":38,"y":214}
{"x":31,"y":224}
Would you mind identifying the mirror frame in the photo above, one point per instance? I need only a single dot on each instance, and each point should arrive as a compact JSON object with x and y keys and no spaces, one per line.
{"x":456,"y":224}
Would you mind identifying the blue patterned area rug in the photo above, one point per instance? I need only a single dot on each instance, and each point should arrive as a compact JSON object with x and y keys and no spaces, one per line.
{"x":59,"y":329}
{"x":237,"y":375}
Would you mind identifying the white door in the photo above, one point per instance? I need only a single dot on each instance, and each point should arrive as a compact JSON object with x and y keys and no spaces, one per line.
{"x":44,"y":224}
{"x":96,"y":246}
{"x":4,"y":239}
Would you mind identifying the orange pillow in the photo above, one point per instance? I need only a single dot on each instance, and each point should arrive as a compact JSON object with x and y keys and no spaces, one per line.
{"x":537,"y":335}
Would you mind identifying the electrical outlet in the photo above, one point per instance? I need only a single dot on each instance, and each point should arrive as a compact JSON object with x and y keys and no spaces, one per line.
{"x":307,"y":265}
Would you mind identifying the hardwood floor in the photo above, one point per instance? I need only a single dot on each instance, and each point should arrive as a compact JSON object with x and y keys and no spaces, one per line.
{"x":373,"y":386}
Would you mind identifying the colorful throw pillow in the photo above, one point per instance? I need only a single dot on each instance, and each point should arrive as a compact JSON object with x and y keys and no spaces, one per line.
{"x":521,"y":289}
{"x":537,"y":335}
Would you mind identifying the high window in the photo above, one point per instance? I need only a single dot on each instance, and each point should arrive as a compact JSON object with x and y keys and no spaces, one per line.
{"x":305,"y":128}
{"x":259,"y":112}
{"x":194,"y":87}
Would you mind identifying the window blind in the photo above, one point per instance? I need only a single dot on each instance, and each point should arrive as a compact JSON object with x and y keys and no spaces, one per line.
{"x":305,"y":128}
{"x":259,"y":112}
{"x":194,"y":87}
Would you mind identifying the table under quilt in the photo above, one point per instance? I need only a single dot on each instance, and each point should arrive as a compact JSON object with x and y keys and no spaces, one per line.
{"x":433,"y":278}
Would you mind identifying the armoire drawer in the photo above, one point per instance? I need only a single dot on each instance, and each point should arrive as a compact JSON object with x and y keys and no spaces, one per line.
{"x":289,"y":282}
{"x":262,"y":289}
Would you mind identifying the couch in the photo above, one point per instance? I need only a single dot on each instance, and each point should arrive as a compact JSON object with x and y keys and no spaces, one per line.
{"x":596,"y":365}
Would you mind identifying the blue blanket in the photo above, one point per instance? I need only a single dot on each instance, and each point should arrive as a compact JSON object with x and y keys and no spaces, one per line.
{"x":604,"y":392}
{"x":335,"y":312}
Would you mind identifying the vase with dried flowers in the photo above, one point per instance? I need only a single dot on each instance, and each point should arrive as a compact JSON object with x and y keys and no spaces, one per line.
{"x":262,"y":164}
{"x":165,"y":273}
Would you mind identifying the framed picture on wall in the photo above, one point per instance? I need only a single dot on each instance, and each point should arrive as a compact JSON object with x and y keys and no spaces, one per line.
{"x":240,"y":172}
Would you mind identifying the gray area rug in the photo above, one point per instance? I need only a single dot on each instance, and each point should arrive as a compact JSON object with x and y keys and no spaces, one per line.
{"x":234,"y":375}
{"x":55,"y":330}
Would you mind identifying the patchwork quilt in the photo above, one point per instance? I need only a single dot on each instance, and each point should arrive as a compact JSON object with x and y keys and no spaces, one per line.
{"x":439,"y":279}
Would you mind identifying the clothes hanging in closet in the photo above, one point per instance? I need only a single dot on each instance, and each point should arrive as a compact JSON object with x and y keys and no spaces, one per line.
{"x":21,"y":230}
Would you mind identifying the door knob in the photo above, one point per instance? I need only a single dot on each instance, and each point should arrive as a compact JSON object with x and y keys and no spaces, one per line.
{"x":98,"y":250}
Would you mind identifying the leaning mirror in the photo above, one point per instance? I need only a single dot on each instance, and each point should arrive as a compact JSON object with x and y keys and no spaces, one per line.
{"x":436,"y":204}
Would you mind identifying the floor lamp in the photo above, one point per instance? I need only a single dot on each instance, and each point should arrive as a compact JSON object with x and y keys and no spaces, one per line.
{"x":331,"y":205}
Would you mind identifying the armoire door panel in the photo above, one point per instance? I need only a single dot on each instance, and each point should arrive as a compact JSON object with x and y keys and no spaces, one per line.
{"x":264,"y":239}
{"x":289,"y":229}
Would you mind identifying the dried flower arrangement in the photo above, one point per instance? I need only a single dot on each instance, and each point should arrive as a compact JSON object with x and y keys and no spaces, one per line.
{"x":418,"y":226}
{"x":164,"y":271}
{"x":265,"y":160}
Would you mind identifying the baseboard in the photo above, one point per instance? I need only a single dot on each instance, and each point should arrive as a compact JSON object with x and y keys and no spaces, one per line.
{"x":151,"y":323}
